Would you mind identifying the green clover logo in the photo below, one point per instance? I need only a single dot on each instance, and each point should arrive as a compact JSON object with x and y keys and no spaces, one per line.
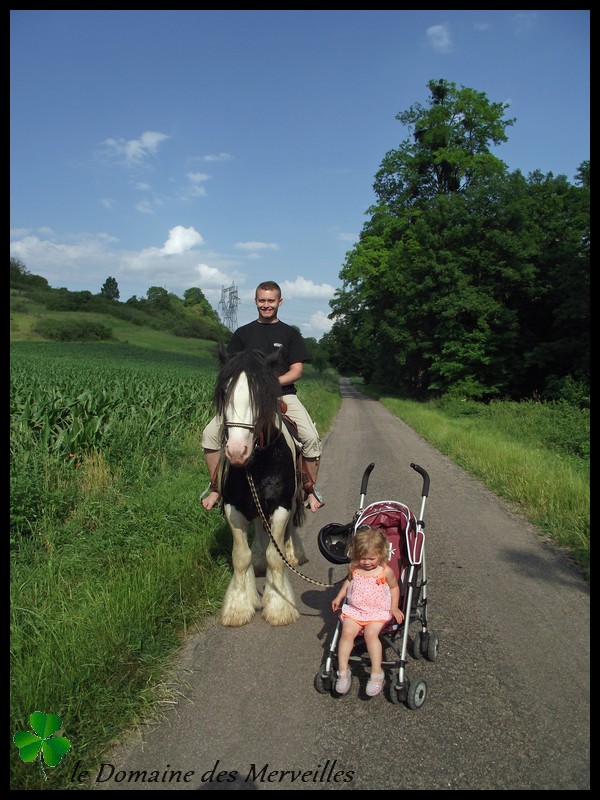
{"x":52,"y":748}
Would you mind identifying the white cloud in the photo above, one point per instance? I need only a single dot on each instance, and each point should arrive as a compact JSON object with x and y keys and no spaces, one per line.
{"x":524,"y":21}
{"x":144,"y":207}
{"x":256,"y":246}
{"x":81,"y":263}
{"x":211,"y":276}
{"x":439,"y":38}
{"x":195,"y":187}
{"x":197,"y":177}
{"x":319,"y":322}
{"x":303,"y":288}
{"x":181,"y":239}
{"x":220,"y":157}
{"x":134,"y":152}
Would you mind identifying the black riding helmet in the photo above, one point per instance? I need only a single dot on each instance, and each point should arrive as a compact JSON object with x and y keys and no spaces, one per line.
{"x":333,"y":541}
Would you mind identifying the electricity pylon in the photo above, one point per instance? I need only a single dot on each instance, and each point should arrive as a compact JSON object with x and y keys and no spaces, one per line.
{"x":229,"y":303}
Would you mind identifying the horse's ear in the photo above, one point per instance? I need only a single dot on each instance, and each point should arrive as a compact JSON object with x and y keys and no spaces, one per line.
{"x":272,"y":359}
{"x":222,"y":353}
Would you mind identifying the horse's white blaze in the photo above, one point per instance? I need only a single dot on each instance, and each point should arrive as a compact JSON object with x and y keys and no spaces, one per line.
{"x":239,"y":412}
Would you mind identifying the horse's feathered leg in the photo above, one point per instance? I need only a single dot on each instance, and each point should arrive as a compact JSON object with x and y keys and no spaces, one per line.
{"x":293,"y":548}
{"x":278,"y":597}
{"x":259,"y":549}
{"x":241,"y":598}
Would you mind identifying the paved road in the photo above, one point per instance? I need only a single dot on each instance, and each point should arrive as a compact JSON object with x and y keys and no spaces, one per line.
{"x":508,"y":696}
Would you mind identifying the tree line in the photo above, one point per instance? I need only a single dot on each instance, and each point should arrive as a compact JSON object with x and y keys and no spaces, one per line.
{"x":192,"y":316}
{"x":466,"y":277}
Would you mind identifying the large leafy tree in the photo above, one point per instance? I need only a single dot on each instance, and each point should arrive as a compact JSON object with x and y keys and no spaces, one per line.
{"x":449,"y":149}
{"x":452,"y":285}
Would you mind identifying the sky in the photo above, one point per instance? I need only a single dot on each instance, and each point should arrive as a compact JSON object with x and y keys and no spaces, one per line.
{"x":219,"y":149}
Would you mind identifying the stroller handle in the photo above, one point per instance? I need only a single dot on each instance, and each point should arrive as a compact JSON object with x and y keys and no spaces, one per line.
{"x":425,"y":475}
{"x":365,"y":478}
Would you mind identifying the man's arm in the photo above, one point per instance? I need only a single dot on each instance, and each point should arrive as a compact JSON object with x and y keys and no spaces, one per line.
{"x":293,"y":374}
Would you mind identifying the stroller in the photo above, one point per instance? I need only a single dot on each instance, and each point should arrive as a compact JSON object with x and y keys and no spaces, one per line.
{"x":406,"y":545}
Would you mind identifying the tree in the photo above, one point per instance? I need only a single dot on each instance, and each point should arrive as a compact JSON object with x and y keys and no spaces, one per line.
{"x":194,"y":298}
{"x":110,"y":289}
{"x":20,"y":276}
{"x":158,"y":298}
{"x":18,"y":270}
{"x":450,"y":147}
{"x":465,"y":277}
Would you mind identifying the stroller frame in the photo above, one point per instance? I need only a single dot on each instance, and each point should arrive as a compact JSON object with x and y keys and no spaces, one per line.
{"x":406,"y":543}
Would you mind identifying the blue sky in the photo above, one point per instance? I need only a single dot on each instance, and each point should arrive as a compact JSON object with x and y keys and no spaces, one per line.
{"x":224,"y":148}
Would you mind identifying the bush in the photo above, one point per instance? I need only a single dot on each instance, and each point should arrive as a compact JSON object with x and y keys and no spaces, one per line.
{"x":73,"y":330}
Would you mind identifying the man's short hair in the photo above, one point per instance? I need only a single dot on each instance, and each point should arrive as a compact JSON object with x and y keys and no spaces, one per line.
{"x":268,"y":286}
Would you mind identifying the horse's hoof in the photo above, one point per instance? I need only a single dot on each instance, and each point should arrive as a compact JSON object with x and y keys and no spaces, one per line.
{"x":231,"y":620}
{"x":281,"y":619}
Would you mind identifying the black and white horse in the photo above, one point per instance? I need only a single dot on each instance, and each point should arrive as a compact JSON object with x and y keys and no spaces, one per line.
{"x":259,"y":468}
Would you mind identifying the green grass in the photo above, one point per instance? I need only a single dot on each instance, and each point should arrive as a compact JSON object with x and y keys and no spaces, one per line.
{"x":98,"y":611}
{"x":534,"y":455}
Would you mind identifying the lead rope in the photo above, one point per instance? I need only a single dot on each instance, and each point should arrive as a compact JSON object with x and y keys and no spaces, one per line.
{"x":267,"y":527}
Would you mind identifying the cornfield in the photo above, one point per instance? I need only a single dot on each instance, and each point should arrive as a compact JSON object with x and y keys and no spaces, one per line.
{"x":73,"y":404}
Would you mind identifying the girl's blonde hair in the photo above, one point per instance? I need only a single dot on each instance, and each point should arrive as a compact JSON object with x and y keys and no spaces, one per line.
{"x":368,"y":540}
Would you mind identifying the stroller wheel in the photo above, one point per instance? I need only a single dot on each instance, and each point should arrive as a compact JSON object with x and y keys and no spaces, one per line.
{"x":416,"y":695}
{"x":394,"y":696}
{"x":432,"y":647}
{"x":323,"y":682}
{"x":417,"y":646}
{"x":397,"y":695}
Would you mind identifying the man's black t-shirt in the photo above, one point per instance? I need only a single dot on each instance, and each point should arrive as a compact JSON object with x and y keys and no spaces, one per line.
{"x":268,"y":338}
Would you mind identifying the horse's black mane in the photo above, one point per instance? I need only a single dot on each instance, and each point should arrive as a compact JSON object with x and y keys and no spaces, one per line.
{"x":262,"y":382}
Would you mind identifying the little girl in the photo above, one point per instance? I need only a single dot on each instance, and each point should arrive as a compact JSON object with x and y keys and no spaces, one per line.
{"x":372,"y":596}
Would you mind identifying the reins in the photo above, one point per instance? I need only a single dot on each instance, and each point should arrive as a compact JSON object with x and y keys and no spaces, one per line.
{"x":267,"y":528}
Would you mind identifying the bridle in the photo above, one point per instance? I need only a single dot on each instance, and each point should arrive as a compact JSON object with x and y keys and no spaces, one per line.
{"x":258,"y":442}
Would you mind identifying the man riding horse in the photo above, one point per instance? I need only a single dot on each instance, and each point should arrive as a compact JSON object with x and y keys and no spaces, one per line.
{"x":269,"y":334}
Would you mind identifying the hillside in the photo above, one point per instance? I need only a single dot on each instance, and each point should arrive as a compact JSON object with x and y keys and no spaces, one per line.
{"x":160,"y":322}
{"x":22,"y":324}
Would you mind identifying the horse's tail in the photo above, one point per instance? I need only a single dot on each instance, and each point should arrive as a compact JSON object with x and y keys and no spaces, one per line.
{"x":299,"y":511}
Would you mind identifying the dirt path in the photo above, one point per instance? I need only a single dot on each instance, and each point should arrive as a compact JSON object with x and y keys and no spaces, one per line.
{"x":508,"y":697}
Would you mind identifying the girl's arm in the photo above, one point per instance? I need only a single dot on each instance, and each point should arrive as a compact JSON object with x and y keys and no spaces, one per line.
{"x":395,"y":590}
{"x":337,"y":600}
